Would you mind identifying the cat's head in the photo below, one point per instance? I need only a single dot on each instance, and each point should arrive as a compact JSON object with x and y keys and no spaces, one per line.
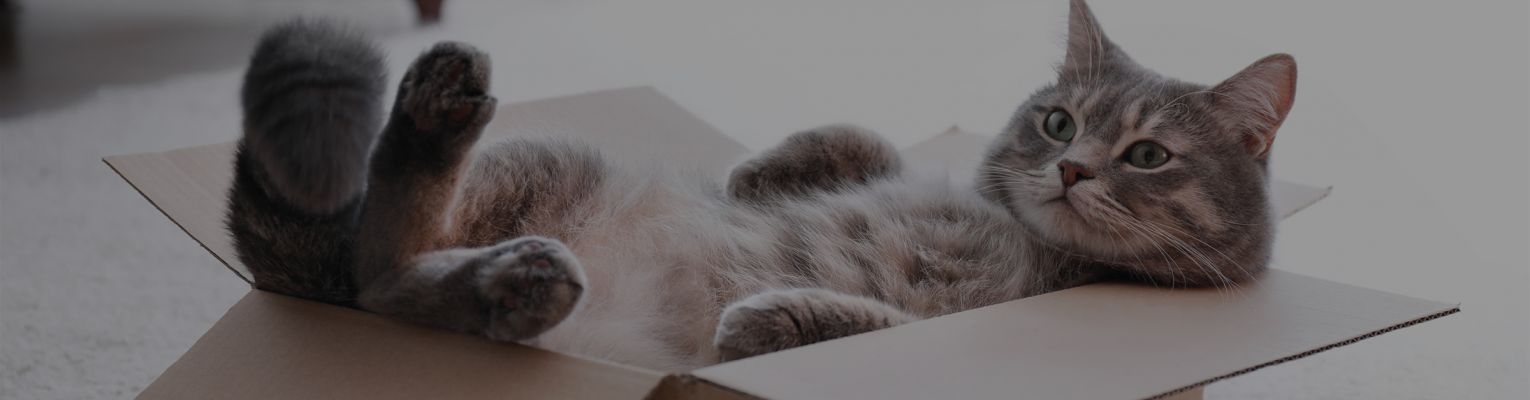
{"x":1161,"y":178}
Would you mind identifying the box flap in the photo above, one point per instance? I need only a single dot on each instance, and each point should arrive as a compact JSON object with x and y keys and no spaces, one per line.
{"x":633,"y":125}
{"x":190,"y":186}
{"x":1060,"y":344}
{"x":270,"y":346}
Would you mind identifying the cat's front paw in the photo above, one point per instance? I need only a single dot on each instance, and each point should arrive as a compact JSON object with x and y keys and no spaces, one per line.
{"x":531,"y":284}
{"x":760,"y":324}
{"x":782,"y":319}
{"x":446,"y":90}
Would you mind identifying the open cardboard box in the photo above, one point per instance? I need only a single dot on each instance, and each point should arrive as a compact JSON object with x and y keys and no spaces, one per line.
{"x":1151,"y":343}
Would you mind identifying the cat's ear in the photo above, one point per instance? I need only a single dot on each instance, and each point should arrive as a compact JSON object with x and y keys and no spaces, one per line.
{"x":1254,"y":102}
{"x":1087,"y":45}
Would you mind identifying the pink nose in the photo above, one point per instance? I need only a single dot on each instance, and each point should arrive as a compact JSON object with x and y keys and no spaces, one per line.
{"x":1072,"y":173}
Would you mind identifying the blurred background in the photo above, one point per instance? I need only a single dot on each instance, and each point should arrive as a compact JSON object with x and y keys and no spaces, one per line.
{"x":1418,"y":113}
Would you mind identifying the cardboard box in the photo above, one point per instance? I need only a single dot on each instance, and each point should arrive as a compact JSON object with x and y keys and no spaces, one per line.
{"x":1151,"y":343}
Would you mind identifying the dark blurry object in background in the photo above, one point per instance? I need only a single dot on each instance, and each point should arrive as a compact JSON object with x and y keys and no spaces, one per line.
{"x":8,"y":35}
{"x":430,"y":10}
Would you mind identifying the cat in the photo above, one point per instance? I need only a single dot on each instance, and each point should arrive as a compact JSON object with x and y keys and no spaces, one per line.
{"x":1111,"y":172}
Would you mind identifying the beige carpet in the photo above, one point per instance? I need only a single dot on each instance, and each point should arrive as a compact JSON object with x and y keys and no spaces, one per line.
{"x":1415,"y":112}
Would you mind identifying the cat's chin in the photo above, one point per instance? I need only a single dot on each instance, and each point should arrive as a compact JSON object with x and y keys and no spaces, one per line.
{"x":1062,"y":224}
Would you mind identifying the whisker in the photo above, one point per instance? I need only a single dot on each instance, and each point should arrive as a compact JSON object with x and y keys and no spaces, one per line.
{"x":1202,"y":261}
{"x":1241,"y":268}
{"x":1195,"y":258}
{"x":1117,"y":232}
{"x":1173,"y":266}
{"x":1228,"y":283}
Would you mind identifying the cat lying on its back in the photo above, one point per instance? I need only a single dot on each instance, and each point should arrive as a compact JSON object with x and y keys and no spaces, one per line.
{"x":1112,"y":171}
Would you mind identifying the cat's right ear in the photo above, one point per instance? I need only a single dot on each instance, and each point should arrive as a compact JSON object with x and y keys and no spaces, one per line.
{"x":1255,"y":102}
{"x":1087,"y":45}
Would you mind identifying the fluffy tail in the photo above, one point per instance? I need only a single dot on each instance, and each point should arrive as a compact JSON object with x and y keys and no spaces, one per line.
{"x":312,"y":110}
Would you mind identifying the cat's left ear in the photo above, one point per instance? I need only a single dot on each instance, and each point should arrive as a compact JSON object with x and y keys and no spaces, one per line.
{"x":1254,"y":102}
{"x":1088,"y":48}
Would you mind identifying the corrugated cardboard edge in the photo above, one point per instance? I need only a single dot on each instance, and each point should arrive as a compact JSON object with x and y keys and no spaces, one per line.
{"x":1202,"y":384}
{"x":686,"y":386}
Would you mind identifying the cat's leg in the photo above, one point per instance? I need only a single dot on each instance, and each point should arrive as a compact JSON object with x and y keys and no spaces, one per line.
{"x":312,"y":100}
{"x":821,"y":159}
{"x":509,"y":291}
{"x":513,"y":290}
{"x":782,"y":319}
{"x":440,"y":111}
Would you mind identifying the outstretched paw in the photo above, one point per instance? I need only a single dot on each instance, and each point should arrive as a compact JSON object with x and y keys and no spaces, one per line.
{"x":760,"y":324}
{"x":531,"y":284}
{"x":446,"y":90}
{"x":783,"y":319}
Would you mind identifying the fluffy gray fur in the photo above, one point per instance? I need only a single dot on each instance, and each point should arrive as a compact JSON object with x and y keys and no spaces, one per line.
{"x":546,"y":242}
{"x":312,"y":102}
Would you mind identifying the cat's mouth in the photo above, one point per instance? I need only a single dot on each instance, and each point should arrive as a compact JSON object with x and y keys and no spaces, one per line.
{"x":1075,"y":211}
{"x":1074,"y":203}
{"x":1061,"y":201}
{"x":1066,"y":209}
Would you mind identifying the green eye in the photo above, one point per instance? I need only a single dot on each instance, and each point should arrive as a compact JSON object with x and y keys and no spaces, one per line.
{"x":1147,"y":155}
{"x":1059,"y":125}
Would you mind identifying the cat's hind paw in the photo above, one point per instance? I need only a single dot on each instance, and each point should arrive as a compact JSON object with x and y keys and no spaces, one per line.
{"x":446,"y":90}
{"x":530,"y":284}
{"x":824,"y":159}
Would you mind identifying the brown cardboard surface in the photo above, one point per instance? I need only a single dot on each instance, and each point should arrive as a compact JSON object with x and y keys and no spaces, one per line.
{"x":1051,"y":346}
{"x":191,"y":187}
{"x":686,"y":386}
{"x":1104,"y":341}
{"x":271,"y":346}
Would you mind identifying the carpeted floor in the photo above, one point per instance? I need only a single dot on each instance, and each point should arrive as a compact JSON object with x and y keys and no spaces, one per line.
{"x":1421,"y":130}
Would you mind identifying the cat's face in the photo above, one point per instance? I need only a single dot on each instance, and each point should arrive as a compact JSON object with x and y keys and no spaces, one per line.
{"x":1162,"y":178}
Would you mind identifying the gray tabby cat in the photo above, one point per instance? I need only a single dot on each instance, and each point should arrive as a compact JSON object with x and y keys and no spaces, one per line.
{"x":1111,"y":172}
